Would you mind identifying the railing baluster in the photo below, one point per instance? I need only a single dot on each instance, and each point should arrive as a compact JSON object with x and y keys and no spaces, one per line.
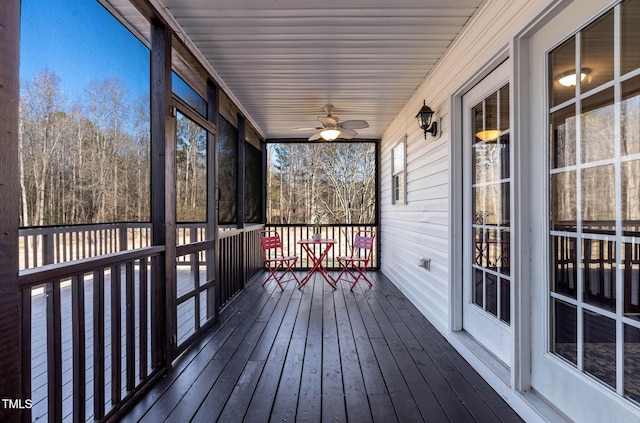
{"x":116,"y":336}
{"x":78,"y":335}
{"x":54,"y":352}
{"x":98,"y":344}
{"x":142,"y":298}
{"x":47,"y":249}
{"x":130,"y":326}
{"x":157,"y":310}
{"x":26,"y":350}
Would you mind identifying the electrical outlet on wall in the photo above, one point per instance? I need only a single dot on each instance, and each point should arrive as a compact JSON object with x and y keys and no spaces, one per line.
{"x":424,"y":263}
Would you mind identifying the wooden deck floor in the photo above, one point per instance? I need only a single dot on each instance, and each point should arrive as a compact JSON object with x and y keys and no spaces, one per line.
{"x":322,"y":355}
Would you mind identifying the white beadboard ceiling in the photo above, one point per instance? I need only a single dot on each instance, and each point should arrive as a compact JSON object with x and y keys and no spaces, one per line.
{"x":284,"y":59}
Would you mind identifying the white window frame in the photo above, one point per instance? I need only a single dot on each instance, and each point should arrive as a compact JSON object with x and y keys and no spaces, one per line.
{"x":400,"y":173}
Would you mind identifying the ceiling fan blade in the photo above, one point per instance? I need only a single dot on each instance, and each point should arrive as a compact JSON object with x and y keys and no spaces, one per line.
{"x":311,"y":128}
{"x":315,"y":136}
{"x":354,"y":124}
{"x":348,"y":133}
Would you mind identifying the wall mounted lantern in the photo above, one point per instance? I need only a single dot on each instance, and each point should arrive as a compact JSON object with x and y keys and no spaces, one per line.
{"x":424,"y":117}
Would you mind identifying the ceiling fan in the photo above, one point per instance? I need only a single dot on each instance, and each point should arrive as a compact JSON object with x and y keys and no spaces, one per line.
{"x":332,"y":128}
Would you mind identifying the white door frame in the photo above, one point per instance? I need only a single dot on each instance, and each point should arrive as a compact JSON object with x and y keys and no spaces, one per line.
{"x":488,"y":366}
{"x":489,"y":330}
{"x":519,"y":378}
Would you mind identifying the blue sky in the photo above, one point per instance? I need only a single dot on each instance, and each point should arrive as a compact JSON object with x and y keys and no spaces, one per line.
{"x":80,"y":41}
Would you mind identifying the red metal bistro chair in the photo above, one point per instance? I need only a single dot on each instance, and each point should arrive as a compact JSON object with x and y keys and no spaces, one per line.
{"x":275,"y":260}
{"x":356,"y":264}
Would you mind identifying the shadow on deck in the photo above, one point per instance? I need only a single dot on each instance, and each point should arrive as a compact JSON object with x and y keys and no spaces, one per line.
{"x":321,"y":355}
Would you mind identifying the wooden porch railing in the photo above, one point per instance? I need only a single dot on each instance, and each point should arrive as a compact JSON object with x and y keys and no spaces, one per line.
{"x":110,"y":310}
{"x":94,"y":317}
{"x":240,"y":260}
{"x":40,"y":246}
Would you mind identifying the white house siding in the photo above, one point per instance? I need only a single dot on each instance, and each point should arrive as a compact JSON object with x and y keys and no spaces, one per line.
{"x":421,"y":227}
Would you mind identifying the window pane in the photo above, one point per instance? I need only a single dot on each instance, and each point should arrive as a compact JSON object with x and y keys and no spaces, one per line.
{"x":504,"y":258}
{"x":631,"y":362}
{"x":563,"y":201}
{"x":597,"y":119}
{"x":564,"y":265}
{"x":565,"y":330}
{"x":478,"y":287}
{"x":398,"y":158}
{"x":562,"y":62}
{"x":491,"y":248}
{"x":631,"y":197}
{"x":505,"y":204}
{"x":481,"y":248}
{"x":84,"y":115}
{"x":563,"y":140}
{"x":253,"y":184}
{"x":630,"y":109}
{"x":477,"y":116}
{"x":191,"y":171}
{"x":599,"y":353}
{"x":188,"y":94}
{"x":597,"y":52}
{"x":504,"y":108}
{"x":398,"y":170}
{"x":227,"y":172}
{"x":598,"y":199}
{"x":505,"y":300}
{"x":489,"y":164}
{"x":599,"y":273}
{"x":491,"y":293}
{"x":631,"y":276}
{"x":337,"y":179}
{"x":630,"y":38}
{"x":398,"y":188}
{"x":504,"y":153}
{"x":491,"y":112}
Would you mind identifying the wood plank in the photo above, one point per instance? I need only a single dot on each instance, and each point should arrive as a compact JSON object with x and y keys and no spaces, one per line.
{"x":403,"y":402}
{"x":439,"y":392}
{"x":382,"y":410}
{"x":355,"y":394}
{"x":296,"y":316}
{"x":333,"y":405}
{"x":217,"y":396}
{"x":465,"y":382}
{"x":309,"y":407}
{"x":372,"y":376}
{"x":235,"y":408}
{"x":286,"y":397}
{"x":238,"y":402}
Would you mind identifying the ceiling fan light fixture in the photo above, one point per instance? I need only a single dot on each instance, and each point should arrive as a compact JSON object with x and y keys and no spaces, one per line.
{"x":489,"y":135}
{"x":330,"y":134}
{"x":570,"y":78}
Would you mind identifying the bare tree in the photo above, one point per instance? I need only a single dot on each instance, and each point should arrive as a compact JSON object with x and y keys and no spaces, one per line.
{"x":43,"y":121}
